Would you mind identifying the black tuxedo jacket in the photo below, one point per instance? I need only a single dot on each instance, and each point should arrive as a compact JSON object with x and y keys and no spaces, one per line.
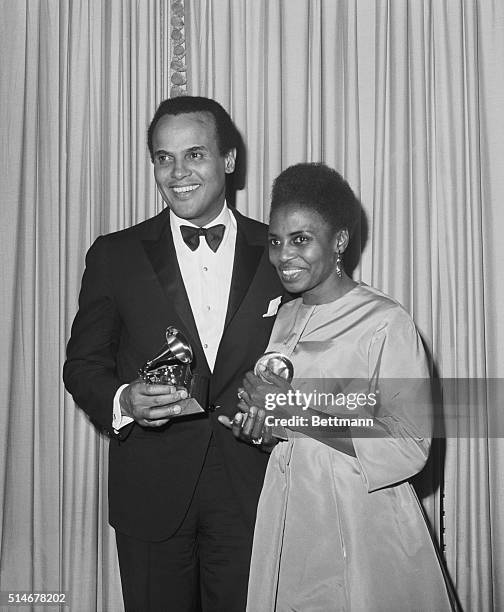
{"x":132,"y":290}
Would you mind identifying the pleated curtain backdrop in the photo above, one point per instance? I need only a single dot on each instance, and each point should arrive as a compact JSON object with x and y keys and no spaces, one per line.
{"x":80,"y":81}
{"x":404,"y":97}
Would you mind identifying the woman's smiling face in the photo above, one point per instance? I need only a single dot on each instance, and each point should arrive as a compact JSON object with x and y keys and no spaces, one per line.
{"x":303,"y":249}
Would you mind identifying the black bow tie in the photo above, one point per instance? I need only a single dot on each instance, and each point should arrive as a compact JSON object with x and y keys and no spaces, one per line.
{"x":213,"y":236}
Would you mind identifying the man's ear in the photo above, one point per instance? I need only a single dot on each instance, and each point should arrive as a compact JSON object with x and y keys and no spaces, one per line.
{"x":341,"y":240}
{"x":230,"y":161}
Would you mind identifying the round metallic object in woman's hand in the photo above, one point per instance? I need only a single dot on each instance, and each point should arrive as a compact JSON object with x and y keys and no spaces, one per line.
{"x":277,"y":363}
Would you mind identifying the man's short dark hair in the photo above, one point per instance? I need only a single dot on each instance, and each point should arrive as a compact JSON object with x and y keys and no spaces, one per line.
{"x":317,"y":187}
{"x":227,"y":135}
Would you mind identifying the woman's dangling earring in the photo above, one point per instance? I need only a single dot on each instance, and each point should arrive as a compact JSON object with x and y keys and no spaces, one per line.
{"x":339,"y":271}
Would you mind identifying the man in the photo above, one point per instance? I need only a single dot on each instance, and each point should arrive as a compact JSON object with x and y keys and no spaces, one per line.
{"x":182,"y":491}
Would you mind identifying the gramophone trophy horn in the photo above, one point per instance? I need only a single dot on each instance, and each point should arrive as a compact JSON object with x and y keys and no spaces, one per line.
{"x":172,"y":365}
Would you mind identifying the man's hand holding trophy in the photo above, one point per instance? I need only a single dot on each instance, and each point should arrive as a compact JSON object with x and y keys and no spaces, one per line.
{"x":164,"y":386}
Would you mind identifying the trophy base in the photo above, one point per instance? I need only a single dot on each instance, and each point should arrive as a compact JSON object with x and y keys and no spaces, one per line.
{"x":189,"y":406}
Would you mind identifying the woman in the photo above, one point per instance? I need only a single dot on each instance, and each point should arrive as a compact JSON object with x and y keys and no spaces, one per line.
{"x":338,"y":526}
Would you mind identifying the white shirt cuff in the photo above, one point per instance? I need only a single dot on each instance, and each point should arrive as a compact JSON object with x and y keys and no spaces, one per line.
{"x":118,"y":419}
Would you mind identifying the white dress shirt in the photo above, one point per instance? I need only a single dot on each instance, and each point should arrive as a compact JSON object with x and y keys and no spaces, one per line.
{"x":207,"y":280}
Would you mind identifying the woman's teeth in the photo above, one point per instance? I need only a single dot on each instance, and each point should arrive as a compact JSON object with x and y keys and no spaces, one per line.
{"x":291,"y":274}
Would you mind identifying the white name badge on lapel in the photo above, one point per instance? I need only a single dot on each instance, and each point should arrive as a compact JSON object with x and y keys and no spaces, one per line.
{"x":273,"y":307}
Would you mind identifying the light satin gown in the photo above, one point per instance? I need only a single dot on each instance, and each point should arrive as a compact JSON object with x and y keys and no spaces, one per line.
{"x":336,"y":532}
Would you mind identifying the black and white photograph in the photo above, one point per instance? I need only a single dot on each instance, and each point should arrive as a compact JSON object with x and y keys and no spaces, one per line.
{"x":252,"y":269}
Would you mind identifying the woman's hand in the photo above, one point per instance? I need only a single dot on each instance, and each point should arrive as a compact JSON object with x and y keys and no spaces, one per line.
{"x":249,"y":425}
{"x":257,"y":392}
{"x":257,"y":399}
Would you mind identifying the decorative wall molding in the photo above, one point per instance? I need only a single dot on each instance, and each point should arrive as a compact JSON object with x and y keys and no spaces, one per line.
{"x":178,"y":70}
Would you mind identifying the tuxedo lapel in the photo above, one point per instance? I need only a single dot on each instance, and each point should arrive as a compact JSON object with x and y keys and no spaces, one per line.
{"x":246,"y":260}
{"x":161,"y":254}
{"x":163,"y":258}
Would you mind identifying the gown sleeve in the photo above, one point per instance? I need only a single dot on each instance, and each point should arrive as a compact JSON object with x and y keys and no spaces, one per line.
{"x":402,"y":416}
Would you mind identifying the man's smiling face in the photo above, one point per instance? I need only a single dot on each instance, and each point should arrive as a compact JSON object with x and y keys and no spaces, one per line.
{"x":189,"y":170}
